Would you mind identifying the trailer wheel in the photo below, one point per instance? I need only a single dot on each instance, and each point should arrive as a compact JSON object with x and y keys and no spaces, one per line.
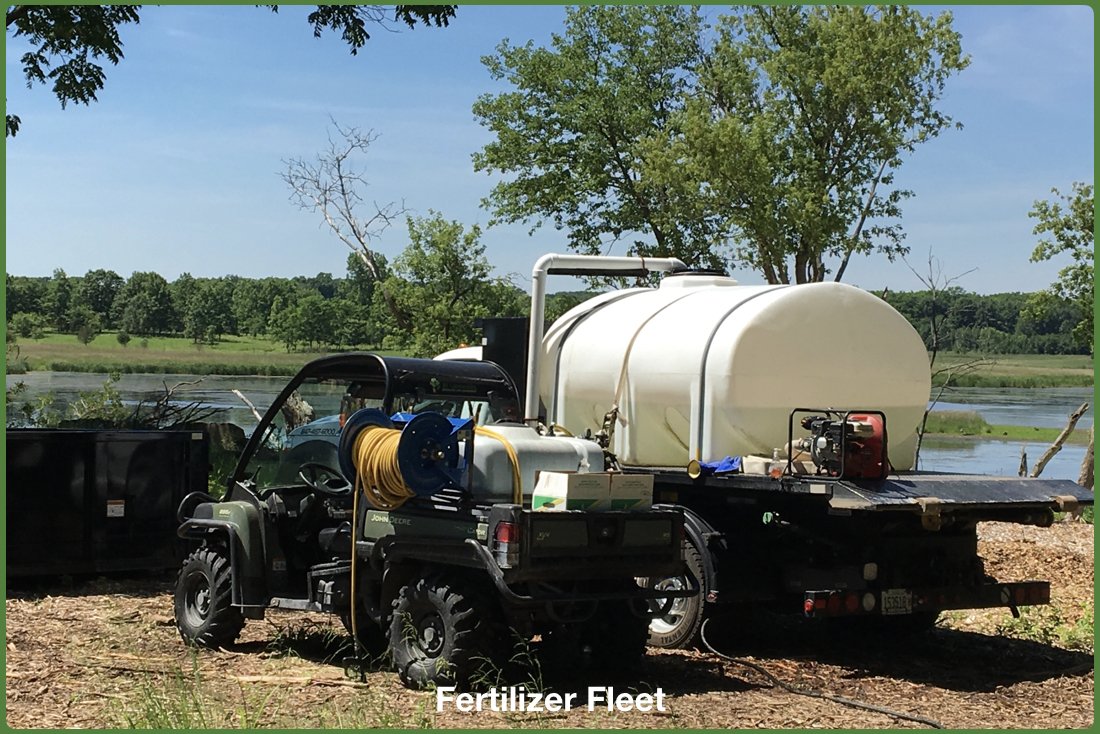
{"x":203,"y":605}
{"x":679,"y":626}
{"x":441,"y":633}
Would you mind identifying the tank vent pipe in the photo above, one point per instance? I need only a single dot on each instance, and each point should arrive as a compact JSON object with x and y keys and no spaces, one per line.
{"x":555,"y":264}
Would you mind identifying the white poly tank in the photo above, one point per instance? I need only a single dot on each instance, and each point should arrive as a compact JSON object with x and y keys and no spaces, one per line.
{"x":713,"y":369}
{"x":492,"y":480}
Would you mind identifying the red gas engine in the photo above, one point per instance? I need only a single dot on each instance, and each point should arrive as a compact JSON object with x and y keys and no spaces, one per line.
{"x":849,"y":444}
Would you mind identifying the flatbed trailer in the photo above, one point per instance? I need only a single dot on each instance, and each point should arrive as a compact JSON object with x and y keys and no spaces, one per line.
{"x":902,"y":549}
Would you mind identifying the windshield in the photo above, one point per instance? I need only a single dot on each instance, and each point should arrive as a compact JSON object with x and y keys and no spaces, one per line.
{"x":307,"y":426}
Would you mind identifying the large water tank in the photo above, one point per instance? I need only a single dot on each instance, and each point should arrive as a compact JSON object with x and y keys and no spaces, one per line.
{"x":705,"y":368}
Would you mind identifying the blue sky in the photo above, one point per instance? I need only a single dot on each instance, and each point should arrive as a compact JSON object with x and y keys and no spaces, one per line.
{"x":175,"y":168}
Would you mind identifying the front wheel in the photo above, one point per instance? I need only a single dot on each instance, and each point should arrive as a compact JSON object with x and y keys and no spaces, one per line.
{"x":204,"y":593}
{"x":441,"y":632}
{"x":678,"y":626}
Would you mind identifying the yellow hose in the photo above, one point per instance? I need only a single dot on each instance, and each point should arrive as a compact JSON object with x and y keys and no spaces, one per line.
{"x":517,"y":480}
{"x":376,"y":471}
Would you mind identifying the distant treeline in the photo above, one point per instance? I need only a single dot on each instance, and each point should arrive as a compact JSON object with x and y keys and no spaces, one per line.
{"x":302,"y":313}
{"x":322,"y":310}
{"x":1001,"y":323}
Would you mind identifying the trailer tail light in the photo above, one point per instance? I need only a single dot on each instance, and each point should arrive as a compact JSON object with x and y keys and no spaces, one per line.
{"x":834,"y":603}
{"x":851,"y":603}
{"x":506,"y":532}
{"x":506,"y":544}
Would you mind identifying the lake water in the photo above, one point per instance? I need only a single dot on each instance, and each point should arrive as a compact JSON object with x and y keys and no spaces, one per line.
{"x":1042,"y":408}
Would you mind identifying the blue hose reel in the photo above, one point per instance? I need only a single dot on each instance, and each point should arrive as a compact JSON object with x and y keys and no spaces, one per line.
{"x":427,"y":452}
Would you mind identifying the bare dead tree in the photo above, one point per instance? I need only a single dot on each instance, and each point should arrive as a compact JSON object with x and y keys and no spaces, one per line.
{"x":334,"y":186}
{"x":936,"y":282}
{"x":1057,"y":445}
{"x":1086,"y":477}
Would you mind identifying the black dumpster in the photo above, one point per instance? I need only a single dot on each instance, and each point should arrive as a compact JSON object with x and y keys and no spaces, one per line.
{"x":93,"y":501}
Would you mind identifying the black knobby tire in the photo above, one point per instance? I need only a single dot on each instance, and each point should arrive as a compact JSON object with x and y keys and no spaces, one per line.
{"x":442,"y":632}
{"x":679,"y":627}
{"x":204,"y":594}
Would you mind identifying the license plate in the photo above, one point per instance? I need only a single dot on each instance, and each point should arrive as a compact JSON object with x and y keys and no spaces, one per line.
{"x":897,"y":601}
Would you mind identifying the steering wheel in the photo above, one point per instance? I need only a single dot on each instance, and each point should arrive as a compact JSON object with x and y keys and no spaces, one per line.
{"x":323,"y":479}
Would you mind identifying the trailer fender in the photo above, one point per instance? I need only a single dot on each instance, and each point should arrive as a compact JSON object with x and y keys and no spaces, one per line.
{"x":237,"y":525}
{"x":707,"y":540}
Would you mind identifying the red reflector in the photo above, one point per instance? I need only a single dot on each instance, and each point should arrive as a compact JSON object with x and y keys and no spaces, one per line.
{"x":1033,"y":593}
{"x":819,"y":603}
{"x":1046,"y":593}
{"x":506,"y":532}
{"x":1020,"y":595}
{"x":808,"y":605}
{"x":834,"y":602}
{"x":851,"y":603}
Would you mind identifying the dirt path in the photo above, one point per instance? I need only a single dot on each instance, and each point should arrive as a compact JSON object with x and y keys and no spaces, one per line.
{"x":106,"y":654}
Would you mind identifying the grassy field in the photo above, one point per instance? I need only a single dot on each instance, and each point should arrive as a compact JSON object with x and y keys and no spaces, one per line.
{"x":969,"y":423}
{"x":1014,"y":370}
{"x":179,"y":355}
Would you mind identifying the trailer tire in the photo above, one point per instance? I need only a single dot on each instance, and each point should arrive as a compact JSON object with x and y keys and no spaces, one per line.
{"x":442,"y":633}
{"x":203,"y":601}
{"x":679,"y":628}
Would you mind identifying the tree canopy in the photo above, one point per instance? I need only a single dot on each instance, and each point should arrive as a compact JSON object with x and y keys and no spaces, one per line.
{"x":778,"y":133}
{"x":1070,"y":230}
{"x":569,"y":133}
{"x":69,"y":42}
{"x":441,"y":283}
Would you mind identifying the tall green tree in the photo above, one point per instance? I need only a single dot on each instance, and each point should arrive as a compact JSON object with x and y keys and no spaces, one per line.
{"x":801,"y":117}
{"x":97,"y":291}
{"x":779,"y":133}
{"x":207,"y":313}
{"x":59,"y":296}
{"x":143,"y":305}
{"x":1070,"y":229}
{"x":568,"y":134}
{"x":441,"y":283}
{"x":253,"y":299}
{"x":69,"y":42}
{"x":24,"y":295}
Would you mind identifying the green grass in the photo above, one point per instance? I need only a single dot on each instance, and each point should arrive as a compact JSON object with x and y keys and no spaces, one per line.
{"x":166,"y":355}
{"x":1013,"y":370}
{"x":969,"y":423}
{"x":1048,"y":625}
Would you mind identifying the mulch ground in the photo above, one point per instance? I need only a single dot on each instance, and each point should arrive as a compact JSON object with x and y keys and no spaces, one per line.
{"x":105,"y":653}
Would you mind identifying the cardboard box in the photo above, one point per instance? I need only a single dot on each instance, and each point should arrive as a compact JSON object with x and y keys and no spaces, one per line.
{"x":631,"y":491}
{"x":557,"y":491}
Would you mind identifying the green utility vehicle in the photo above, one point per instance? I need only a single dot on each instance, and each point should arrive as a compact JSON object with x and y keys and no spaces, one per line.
{"x":454,"y":573}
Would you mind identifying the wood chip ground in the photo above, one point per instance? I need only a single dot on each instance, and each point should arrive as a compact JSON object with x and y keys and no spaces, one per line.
{"x":105,"y":653}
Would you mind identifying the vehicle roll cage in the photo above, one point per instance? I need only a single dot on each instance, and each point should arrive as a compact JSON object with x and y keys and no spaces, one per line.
{"x":398,"y":376}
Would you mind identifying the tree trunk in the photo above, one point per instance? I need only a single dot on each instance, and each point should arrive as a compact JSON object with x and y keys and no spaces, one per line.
{"x":1057,"y":445}
{"x":1085,"y":479}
